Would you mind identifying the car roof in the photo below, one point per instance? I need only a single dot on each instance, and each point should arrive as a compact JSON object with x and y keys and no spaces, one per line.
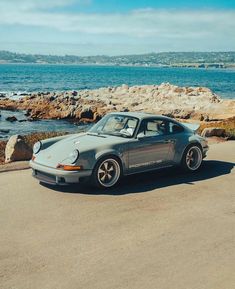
{"x":141,"y":115}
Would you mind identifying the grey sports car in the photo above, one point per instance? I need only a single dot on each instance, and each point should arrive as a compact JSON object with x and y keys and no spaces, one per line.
{"x":119,"y":144}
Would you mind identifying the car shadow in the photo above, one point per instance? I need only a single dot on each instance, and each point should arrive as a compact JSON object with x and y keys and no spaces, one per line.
{"x":140,"y":183}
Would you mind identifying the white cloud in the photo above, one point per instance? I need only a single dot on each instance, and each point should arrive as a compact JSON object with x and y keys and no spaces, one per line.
{"x":29,"y":5}
{"x":140,"y":23}
{"x":182,"y":29}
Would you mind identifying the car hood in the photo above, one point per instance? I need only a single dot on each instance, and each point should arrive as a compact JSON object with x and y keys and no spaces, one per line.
{"x":59,"y":151}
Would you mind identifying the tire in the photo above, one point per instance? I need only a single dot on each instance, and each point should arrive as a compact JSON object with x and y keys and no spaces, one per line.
{"x":192,"y":158}
{"x":106,"y":173}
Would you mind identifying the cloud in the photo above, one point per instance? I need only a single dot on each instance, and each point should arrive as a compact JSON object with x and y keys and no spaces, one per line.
{"x":138,"y":23}
{"x":35,"y":5}
{"x":174,"y":27}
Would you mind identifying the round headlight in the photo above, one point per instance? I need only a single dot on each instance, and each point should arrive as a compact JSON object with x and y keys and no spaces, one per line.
{"x":37,"y":146}
{"x":73,"y":157}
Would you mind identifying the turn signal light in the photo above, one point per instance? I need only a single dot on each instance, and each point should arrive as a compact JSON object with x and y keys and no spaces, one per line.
{"x":68,"y":167}
{"x":33,"y":158}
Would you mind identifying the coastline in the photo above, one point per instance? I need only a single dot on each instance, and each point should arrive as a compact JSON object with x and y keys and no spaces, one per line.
{"x":203,"y":66}
{"x":219,"y":59}
{"x":186,"y":104}
{"x":89,"y":105}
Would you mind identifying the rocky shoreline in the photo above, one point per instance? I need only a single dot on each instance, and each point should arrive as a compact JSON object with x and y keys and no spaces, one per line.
{"x":198,"y":103}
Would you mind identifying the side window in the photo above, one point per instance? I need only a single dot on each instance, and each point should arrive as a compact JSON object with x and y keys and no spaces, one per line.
{"x":130,"y":127}
{"x":175,"y":128}
{"x":153,"y":127}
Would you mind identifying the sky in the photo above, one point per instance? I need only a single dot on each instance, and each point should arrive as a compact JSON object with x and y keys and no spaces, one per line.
{"x":116,"y":27}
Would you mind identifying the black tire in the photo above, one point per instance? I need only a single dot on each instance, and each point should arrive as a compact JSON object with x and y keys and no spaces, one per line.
{"x":107,"y":172}
{"x":192,"y":158}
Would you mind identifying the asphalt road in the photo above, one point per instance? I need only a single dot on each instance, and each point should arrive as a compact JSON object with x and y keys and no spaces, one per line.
{"x":157,"y":230}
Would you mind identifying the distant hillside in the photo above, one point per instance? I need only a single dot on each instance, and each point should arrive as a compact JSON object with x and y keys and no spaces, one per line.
{"x":179,"y":59}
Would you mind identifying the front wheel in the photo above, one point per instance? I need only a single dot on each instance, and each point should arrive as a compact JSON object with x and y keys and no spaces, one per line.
{"x":192,"y":158}
{"x":107,"y":173}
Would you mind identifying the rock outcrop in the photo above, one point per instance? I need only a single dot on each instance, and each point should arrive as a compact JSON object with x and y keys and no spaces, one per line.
{"x":213,"y":131}
{"x":89,"y":105}
{"x":11,"y":118}
{"x":17,"y":150}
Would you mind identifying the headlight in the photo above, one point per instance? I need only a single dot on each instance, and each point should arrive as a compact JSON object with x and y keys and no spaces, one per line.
{"x":73,"y":157}
{"x":37,"y":146}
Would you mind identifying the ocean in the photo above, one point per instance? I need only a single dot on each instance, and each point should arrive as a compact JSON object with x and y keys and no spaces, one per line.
{"x":21,"y":78}
{"x":27,"y":78}
{"x":22,"y":126}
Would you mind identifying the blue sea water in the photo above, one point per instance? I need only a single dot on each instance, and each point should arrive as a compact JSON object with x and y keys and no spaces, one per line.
{"x":28,"y":78}
{"x":24,"y":127}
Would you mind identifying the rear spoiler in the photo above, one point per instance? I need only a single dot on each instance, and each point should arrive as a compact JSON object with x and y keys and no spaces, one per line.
{"x":192,"y":126}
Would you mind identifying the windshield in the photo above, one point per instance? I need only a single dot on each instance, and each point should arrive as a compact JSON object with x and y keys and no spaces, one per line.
{"x":118,"y":125}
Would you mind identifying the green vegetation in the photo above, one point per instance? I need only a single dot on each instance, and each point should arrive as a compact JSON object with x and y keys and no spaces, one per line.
{"x":178,"y":59}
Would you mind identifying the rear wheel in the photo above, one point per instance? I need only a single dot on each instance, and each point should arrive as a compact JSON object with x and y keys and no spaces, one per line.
{"x":192,"y":158}
{"x":107,"y":173}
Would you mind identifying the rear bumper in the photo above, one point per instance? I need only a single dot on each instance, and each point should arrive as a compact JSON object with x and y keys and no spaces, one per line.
{"x":54,"y":176}
{"x":204,"y":151}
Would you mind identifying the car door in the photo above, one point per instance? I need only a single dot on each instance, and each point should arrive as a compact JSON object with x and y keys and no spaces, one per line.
{"x":177,"y":139}
{"x":151,"y":147}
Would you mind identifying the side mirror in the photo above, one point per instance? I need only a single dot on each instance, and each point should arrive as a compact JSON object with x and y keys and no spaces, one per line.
{"x":140,"y":136}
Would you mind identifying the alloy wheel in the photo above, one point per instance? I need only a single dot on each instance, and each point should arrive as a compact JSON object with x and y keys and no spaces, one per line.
{"x":108,"y":173}
{"x":193,"y":158}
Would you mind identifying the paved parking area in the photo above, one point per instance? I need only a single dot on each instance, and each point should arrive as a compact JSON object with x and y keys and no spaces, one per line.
{"x":163,"y":230}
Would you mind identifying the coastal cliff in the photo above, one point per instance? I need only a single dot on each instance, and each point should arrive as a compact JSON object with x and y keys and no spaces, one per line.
{"x":197,"y":103}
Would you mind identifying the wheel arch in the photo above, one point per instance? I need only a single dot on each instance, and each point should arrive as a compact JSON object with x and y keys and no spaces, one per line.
{"x":109,"y":153}
{"x":192,"y":143}
{"x":94,"y":176}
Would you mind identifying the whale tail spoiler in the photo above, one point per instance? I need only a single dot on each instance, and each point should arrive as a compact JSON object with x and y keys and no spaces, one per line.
{"x":192,"y":126}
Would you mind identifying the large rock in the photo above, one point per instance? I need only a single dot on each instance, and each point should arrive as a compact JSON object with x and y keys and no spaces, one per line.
{"x":2,"y":130}
{"x":213,"y":131}
{"x":17,"y":150}
{"x":11,"y":118}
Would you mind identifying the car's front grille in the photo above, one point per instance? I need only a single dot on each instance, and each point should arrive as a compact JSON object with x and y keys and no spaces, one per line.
{"x":44,"y":177}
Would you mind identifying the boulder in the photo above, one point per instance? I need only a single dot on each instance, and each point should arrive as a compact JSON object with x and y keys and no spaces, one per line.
{"x":11,"y":118}
{"x":74,"y":93}
{"x":4,"y":130}
{"x":213,"y":131}
{"x":17,"y":150}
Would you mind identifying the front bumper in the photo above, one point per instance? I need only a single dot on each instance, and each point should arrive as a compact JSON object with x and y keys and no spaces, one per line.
{"x":54,"y":176}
